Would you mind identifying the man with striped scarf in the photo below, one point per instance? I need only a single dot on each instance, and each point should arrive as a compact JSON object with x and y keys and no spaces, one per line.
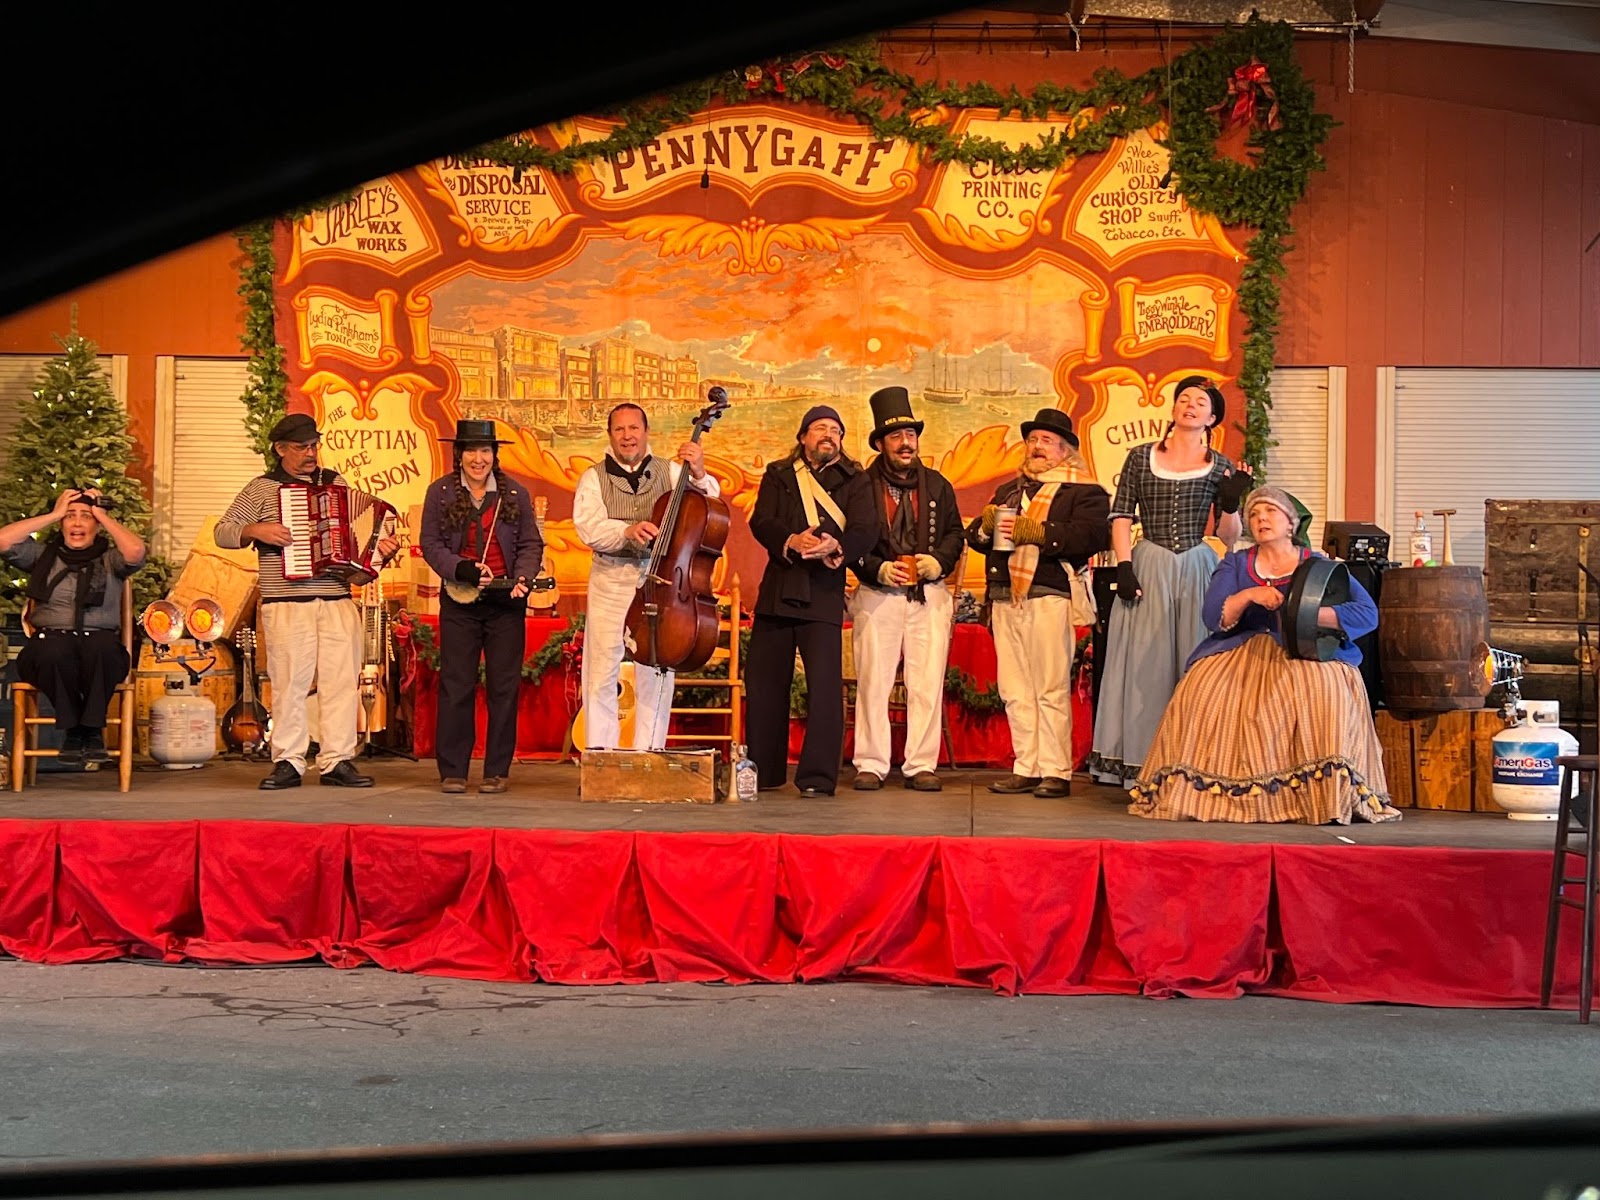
{"x":1059,"y":518}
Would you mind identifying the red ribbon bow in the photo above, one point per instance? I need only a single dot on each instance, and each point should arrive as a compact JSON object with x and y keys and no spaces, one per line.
{"x":1248,"y":86}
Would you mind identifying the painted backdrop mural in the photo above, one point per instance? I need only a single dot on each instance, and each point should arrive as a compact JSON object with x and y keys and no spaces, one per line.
{"x":779,"y":253}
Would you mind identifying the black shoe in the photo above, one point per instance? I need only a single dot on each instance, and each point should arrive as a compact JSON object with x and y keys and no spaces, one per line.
{"x":283,"y":776}
{"x":1053,"y":789}
{"x":312,"y":750}
{"x":811,"y":793}
{"x":866,"y":781}
{"x":71,"y":752}
{"x":1015,"y":784}
{"x":94,"y":747}
{"x":344,"y":775}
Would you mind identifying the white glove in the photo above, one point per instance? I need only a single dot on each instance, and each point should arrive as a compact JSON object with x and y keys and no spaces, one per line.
{"x":928,"y":567}
{"x":892,"y":574}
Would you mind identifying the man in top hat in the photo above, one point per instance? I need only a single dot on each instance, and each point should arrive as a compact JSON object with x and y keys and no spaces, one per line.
{"x":611,"y":511}
{"x":311,"y":626}
{"x":480,"y":535}
{"x":810,"y":527}
{"x":1037,"y":534}
{"x":902,"y":607}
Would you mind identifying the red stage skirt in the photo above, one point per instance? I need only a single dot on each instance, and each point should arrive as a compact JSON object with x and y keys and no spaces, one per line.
{"x":1338,"y":923}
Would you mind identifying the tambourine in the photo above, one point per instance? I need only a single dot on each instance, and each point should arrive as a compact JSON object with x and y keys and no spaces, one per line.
{"x":1316,"y":583}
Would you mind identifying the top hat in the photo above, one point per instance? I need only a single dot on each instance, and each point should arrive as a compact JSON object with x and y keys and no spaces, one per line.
{"x":1052,"y":420}
{"x":1219,"y":406}
{"x":300,"y":428}
{"x":475,"y":433}
{"x":891,"y":410}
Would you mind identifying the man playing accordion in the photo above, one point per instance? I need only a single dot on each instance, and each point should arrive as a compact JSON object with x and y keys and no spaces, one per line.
{"x":312,"y":627}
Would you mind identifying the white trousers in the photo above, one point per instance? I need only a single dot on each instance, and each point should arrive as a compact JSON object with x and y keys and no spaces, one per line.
{"x":885,"y":626}
{"x":313,"y":641}
{"x":611,"y":589}
{"x":1033,"y":646}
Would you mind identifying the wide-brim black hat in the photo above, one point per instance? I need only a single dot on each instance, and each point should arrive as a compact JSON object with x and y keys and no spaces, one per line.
{"x":475,"y":433}
{"x":891,"y":410}
{"x":1052,"y":420}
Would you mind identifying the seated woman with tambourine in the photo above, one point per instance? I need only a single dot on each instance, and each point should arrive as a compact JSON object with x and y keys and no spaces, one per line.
{"x":1270,"y":721}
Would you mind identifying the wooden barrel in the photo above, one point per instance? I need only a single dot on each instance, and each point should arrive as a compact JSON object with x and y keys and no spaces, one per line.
{"x":1433,"y":625}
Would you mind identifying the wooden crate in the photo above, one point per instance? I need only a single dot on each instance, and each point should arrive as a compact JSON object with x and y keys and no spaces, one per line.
{"x":1440,"y":760}
{"x":651,"y":776}
{"x":1531,"y":555}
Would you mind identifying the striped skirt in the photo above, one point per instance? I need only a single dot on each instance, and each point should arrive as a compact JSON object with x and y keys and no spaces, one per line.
{"x":1254,"y":735}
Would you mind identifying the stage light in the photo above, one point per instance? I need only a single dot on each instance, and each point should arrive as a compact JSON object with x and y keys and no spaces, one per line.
{"x":204,"y":621}
{"x":162,"y":622}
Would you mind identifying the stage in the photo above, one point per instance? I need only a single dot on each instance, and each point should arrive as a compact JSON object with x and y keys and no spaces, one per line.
{"x":962,"y":887}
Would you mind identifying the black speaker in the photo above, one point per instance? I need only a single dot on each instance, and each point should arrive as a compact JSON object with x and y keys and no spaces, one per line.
{"x":1369,"y":575}
{"x":1355,"y":541}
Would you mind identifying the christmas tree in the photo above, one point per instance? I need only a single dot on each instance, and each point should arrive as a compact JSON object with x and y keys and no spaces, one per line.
{"x":73,"y":432}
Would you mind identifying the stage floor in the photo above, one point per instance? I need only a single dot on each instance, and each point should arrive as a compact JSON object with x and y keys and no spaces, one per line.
{"x":545,"y":796}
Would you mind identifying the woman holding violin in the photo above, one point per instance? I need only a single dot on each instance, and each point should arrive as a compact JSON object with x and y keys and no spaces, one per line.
{"x":480,"y":536}
{"x":612,"y":511}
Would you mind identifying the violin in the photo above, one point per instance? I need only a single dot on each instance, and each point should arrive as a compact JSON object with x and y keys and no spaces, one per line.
{"x":673,"y":617}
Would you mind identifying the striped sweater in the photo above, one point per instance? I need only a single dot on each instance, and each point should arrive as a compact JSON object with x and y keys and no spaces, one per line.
{"x":258,"y":502}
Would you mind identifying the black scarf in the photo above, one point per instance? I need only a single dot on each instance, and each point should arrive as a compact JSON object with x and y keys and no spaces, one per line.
{"x":320,"y":477}
{"x":905,"y":533}
{"x":87,"y":564}
{"x":634,"y":479}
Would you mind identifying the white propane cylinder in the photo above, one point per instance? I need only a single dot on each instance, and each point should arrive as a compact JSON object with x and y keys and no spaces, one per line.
{"x":1527,"y":782}
{"x":183,"y":728}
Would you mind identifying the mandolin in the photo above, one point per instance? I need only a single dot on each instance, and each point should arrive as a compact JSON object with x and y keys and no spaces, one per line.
{"x":542,"y":592}
{"x":246,"y":725}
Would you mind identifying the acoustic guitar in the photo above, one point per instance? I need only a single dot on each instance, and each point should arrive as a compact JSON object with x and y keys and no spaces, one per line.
{"x":542,"y":594}
{"x":246,"y":725}
{"x":627,"y":696}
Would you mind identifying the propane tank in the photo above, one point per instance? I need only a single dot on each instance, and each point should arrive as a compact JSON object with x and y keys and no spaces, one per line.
{"x":1527,"y":782}
{"x":183,"y":727}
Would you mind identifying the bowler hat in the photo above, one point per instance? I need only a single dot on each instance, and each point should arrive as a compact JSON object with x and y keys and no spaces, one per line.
{"x":475,"y":433}
{"x":1052,"y":420}
{"x":296,"y":427}
{"x":891,"y":410}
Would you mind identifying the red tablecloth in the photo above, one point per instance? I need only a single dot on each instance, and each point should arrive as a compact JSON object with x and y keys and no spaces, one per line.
{"x":976,"y":739}
{"x":545,"y":710}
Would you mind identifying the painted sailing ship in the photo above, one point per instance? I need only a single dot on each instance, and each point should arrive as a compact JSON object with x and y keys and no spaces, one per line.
{"x":1006,"y":385}
{"x":942,"y":389}
{"x":576,"y":425}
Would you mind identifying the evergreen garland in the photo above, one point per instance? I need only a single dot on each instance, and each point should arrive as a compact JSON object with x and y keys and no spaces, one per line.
{"x":852,"y":82}
{"x":266,"y":396}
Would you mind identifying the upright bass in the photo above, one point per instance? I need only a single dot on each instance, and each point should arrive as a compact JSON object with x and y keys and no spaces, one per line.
{"x":672,"y":622}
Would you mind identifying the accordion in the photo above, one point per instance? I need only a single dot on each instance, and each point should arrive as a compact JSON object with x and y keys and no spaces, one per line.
{"x":336,"y":529}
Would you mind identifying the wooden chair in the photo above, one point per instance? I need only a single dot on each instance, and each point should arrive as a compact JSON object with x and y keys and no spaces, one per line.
{"x":25,"y":718}
{"x":1580,"y":798}
{"x":728,"y":638}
